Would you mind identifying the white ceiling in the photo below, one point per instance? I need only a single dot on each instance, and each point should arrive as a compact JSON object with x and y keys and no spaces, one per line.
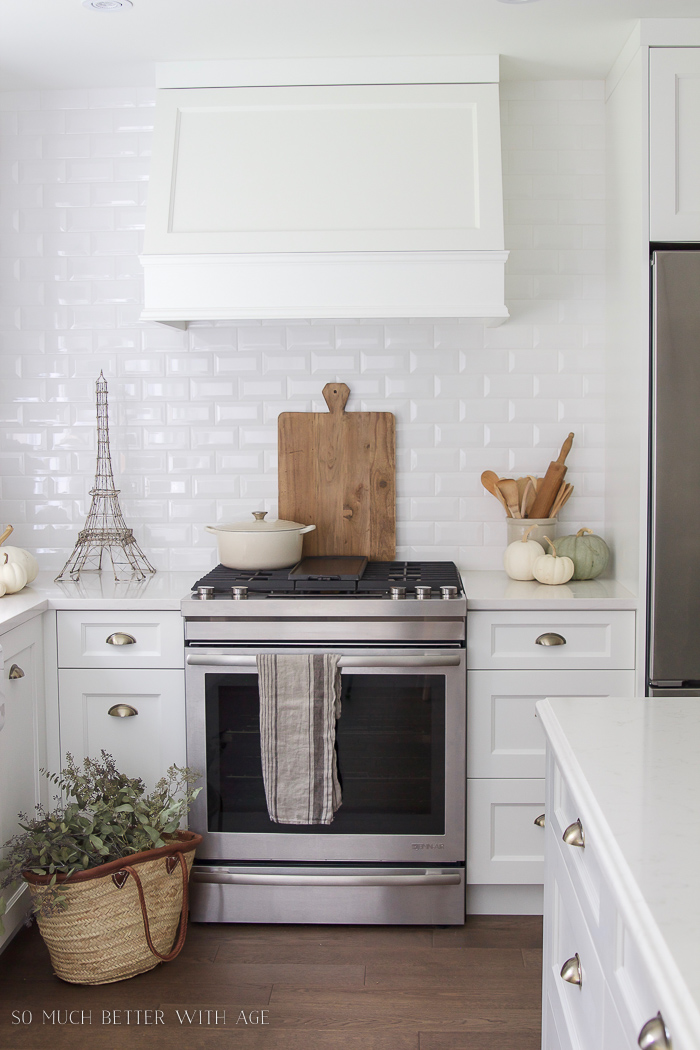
{"x":59,"y":43}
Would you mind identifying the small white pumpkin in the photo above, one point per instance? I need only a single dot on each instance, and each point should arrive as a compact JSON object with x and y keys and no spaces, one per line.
{"x":551,"y":569}
{"x":520,"y":556}
{"x":12,"y":576}
{"x":3,"y":589}
{"x":19,"y":556}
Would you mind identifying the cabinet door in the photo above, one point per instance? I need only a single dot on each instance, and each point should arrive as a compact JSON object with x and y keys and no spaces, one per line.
{"x":674,"y":143}
{"x":504,"y":737}
{"x":504,"y":845}
{"x":143,"y":744}
{"x":22,"y":744}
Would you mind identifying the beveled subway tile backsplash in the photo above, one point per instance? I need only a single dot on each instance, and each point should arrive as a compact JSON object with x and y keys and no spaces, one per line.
{"x":193,"y":414}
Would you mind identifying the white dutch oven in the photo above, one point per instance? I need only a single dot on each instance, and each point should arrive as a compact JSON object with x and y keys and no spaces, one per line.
{"x":259,"y":544}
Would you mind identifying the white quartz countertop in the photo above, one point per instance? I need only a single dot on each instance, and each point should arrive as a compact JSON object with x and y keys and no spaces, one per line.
{"x":495,"y":590}
{"x":165,"y":590}
{"x":162,"y":591}
{"x":634,"y":767}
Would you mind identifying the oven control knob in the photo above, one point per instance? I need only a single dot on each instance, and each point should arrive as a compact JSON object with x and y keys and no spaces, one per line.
{"x":239,"y":594}
{"x":205,"y":593}
{"x":448,"y":592}
{"x":397,"y":593}
{"x":423,"y":592}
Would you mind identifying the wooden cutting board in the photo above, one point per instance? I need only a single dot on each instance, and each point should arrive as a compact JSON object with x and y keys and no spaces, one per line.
{"x":337,"y":471}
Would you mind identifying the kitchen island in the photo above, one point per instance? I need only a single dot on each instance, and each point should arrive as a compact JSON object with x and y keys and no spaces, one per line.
{"x":622,"y":909}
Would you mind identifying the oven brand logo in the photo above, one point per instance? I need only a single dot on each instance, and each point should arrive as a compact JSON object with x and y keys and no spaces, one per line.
{"x":427,"y":845}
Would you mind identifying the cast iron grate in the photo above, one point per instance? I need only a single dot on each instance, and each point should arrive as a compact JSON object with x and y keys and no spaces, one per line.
{"x":377,"y":578}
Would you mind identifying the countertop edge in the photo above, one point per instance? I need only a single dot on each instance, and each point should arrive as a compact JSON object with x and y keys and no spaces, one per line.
{"x":684,"y":1015}
{"x":549,"y":604}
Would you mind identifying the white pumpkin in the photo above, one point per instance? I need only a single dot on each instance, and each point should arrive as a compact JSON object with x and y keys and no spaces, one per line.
{"x":23,"y":558}
{"x":551,"y":569}
{"x":519,"y":557}
{"x":12,"y":576}
{"x":3,"y":589}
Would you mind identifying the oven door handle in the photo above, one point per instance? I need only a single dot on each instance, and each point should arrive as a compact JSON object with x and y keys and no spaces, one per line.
{"x":423,"y":878}
{"x":423,"y":660}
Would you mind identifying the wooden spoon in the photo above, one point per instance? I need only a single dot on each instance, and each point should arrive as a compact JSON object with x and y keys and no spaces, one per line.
{"x":561,"y":498}
{"x":6,"y":533}
{"x":509,"y":488}
{"x":528,"y":494}
{"x":489,"y":479}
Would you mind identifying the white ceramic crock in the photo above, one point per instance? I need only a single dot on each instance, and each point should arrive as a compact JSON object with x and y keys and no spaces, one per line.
{"x":259,"y":544}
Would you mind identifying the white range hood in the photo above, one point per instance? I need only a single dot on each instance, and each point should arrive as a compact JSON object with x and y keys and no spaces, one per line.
{"x":311,"y":189}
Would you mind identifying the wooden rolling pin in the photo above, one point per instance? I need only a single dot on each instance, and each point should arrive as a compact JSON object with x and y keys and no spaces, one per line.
{"x":551,"y":483}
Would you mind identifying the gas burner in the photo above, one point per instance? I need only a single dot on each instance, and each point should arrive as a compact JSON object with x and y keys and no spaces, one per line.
{"x":379,"y":579}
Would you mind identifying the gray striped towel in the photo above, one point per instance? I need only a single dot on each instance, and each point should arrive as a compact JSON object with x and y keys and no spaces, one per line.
{"x":299,"y":705}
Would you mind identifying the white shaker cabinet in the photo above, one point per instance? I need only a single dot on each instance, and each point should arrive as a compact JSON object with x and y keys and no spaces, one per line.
{"x":22,"y":743}
{"x":674,"y":143}
{"x":514,"y":660}
{"x":121,"y":689}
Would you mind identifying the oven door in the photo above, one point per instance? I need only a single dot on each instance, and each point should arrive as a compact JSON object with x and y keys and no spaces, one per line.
{"x":400,"y":745}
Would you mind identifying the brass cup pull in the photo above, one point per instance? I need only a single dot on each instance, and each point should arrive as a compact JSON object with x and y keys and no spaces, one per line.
{"x":573,"y":836}
{"x":571,"y":971}
{"x":119,"y":638}
{"x":654,"y":1035}
{"x":539,"y":821}
{"x":122,"y":711}
{"x":15,"y":672}
{"x":550,"y":638}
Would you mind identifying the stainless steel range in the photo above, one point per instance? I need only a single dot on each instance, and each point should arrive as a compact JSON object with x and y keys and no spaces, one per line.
{"x":395,"y":851}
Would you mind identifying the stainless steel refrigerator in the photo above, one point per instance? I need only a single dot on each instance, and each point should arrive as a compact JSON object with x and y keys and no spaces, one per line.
{"x":673,"y":665}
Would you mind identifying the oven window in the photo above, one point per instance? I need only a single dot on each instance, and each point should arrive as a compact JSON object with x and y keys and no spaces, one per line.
{"x":390,"y":742}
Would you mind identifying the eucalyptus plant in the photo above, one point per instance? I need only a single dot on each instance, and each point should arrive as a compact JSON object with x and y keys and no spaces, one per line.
{"x":106,"y":816}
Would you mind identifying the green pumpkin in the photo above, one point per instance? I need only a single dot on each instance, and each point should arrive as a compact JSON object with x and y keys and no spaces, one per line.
{"x":588,"y":552}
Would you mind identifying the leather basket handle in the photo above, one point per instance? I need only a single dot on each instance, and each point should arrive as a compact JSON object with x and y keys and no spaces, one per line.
{"x":182,"y":932}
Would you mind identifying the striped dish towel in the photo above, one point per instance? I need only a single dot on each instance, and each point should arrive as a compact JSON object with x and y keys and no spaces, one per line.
{"x":299,"y":705}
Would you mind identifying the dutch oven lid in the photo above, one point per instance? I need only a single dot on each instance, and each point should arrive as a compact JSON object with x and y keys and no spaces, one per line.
{"x":259,"y":525}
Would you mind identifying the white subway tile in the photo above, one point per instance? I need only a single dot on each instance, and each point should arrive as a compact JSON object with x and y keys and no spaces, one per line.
{"x":359,"y":337}
{"x":72,"y":306}
{"x":435,"y":461}
{"x":89,"y":171}
{"x":88,"y":122}
{"x":383,"y":362}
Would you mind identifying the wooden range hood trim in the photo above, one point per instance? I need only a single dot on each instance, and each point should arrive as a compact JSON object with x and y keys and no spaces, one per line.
{"x":460,"y":285}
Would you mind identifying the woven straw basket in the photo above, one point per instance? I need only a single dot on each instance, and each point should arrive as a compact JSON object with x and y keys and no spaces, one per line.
{"x":120,"y":918}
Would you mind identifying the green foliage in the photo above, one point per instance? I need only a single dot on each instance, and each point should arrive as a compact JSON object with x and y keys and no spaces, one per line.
{"x":107,"y":816}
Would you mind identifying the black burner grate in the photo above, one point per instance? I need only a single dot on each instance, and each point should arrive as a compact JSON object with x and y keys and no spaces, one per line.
{"x":377,"y":578}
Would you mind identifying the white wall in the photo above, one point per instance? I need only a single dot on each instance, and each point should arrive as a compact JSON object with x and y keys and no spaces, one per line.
{"x":194,"y":414}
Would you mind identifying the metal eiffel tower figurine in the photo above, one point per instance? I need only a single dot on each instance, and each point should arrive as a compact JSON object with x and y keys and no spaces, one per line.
{"x":105,"y":530}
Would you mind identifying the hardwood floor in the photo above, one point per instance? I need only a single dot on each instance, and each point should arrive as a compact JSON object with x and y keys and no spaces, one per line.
{"x":475,"y":987}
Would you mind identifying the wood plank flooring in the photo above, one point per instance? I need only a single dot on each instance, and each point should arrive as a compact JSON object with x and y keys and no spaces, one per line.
{"x":474,"y":987}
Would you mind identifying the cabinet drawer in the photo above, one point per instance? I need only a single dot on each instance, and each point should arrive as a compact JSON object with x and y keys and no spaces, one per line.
{"x":504,"y":845}
{"x":591,"y":640}
{"x":631,"y":987}
{"x":582,"y":862}
{"x":143,"y":744}
{"x":84,"y":639}
{"x":504,"y":736}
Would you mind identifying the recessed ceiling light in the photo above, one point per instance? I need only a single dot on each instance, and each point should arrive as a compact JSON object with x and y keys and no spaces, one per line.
{"x":113,"y":5}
